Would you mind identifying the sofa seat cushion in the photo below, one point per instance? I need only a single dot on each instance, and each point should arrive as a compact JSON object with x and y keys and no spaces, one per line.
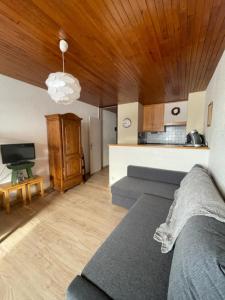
{"x":198,"y":267}
{"x":134,"y":187}
{"x":129,"y":265}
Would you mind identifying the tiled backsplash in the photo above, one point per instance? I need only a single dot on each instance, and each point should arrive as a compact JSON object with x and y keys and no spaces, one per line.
{"x":172,"y":135}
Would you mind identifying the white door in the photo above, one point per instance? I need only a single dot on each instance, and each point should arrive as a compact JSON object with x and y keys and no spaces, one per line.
{"x":95,"y":145}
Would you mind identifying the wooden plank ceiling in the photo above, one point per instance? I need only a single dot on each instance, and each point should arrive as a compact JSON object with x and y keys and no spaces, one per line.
{"x":121,"y":50}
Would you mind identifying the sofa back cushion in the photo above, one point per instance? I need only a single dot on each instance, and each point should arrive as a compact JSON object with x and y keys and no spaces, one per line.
{"x":153,"y":174}
{"x":198,"y":265}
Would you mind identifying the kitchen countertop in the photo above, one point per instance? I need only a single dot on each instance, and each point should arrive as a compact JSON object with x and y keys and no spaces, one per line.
{"x":161,"y":146}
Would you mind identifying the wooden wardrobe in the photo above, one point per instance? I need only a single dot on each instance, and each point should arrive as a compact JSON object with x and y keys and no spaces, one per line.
{"x":64,"y":147}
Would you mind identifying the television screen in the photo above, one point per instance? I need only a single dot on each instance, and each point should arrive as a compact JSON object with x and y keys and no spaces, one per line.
{"x":15,"y":153}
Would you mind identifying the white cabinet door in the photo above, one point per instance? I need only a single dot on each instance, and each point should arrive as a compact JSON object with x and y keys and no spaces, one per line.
{"x":95,"y":145}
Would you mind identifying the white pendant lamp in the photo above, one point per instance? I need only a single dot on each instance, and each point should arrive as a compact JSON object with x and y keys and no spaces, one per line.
{"x":63,"y":88}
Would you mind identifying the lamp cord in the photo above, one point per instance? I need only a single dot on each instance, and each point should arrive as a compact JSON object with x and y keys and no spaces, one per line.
{"x":63,"y":60}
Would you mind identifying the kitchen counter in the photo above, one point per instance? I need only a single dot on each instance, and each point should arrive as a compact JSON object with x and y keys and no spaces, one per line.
{"x":168,"y":157}
{"x":161,"y":146}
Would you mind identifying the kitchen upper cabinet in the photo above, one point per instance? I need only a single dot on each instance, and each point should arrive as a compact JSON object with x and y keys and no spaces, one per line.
{"x":153,"y":117}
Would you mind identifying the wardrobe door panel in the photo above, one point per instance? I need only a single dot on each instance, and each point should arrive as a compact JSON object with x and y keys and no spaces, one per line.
{"x":71,"y":148}
{"x":55,"y":151}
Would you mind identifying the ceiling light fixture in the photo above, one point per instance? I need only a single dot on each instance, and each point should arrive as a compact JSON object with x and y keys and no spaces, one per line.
{"x":63,"y":88}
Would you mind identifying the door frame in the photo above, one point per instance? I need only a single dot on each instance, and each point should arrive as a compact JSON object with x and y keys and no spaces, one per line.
{"x":89,"y":139}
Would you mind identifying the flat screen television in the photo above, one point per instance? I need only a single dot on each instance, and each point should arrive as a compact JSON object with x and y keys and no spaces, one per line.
{"x":17,"y":153}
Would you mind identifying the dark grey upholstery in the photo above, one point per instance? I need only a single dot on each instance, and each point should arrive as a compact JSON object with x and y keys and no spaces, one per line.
{"x":132,"y":188}
{"x":161,"y":175}
{"x":124,"y":201}
{"x":129,"y":265}
{"x":82,"y":289}
{"x":141,"y":180}
{"x":198,"y":267}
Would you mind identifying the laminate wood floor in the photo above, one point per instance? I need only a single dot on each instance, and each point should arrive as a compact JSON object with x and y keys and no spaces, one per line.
{"x":40,"y":258}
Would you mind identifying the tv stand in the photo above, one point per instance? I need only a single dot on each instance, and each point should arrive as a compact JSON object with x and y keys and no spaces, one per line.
{"x":20,"y":163}
{"x":16,"y":167}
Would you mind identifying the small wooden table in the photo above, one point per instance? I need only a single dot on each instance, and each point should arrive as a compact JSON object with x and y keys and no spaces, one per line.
{"x":23,"y":188}
{"x":7,"y":188}
{"x":36,"y":180}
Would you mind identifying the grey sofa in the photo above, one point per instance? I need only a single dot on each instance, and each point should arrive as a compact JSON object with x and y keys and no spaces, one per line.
{"x":129,"y":264}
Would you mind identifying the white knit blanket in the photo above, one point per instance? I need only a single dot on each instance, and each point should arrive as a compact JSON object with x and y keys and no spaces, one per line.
{"x":197,"y":195}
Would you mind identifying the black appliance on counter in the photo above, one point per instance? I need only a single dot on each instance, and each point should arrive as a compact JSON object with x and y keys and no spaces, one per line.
{"x":194,"y":138}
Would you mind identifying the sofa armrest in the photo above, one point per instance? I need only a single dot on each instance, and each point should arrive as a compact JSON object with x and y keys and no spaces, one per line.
{"x":82,"y":289}
{"x":153,"y":174}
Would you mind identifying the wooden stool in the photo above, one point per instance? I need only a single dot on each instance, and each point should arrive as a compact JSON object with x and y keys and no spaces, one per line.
{"x":8,"y":187}
{"x":38,"y":180}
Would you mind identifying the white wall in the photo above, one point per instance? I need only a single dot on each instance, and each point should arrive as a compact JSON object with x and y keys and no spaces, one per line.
{"x":22,"y":110}
{"x":169,"y":118}
{"x":215,"y":135}
{"x":196,"y":112}
{"x":109,"y":122}
{"x":131,"y":111}
{"x":178,"y":159}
